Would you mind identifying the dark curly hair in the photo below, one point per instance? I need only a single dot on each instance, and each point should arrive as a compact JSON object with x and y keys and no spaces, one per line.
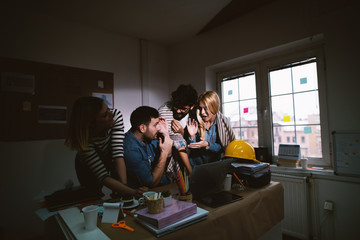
{"x":184,"y":95}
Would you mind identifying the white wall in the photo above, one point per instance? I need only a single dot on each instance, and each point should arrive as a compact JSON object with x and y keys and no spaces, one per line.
{"x":276,"y":24}
{"x":32,"y":167}
{"x":279,"y":23}
{"x":343,"y":222}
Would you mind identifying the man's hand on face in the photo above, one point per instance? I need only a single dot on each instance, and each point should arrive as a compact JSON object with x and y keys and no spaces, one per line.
{"x":166,"y":145}
{"x":176,"y":127}
{"x":164,"y":129}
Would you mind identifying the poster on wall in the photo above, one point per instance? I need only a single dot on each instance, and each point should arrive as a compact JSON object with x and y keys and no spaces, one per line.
{"x":107,"y":97}
{"x":18,"y":82}
{"x":52,"y":114}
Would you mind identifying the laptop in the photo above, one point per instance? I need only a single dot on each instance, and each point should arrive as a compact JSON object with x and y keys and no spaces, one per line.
{"x":206,"y":183}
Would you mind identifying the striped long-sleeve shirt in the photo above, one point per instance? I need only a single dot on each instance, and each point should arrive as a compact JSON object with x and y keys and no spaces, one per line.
{"x":113,"y":142}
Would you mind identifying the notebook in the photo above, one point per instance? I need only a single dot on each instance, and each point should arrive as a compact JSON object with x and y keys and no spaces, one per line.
{"x":206,"y":183}
{"x":170,"y":214}
{"x":201,"y":214}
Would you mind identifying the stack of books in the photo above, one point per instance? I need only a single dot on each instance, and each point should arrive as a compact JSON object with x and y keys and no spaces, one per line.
{"x":176,"y":216}
{"x":288,"y":162}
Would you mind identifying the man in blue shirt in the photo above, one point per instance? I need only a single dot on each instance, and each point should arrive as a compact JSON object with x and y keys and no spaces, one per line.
{"x":145,"y":152}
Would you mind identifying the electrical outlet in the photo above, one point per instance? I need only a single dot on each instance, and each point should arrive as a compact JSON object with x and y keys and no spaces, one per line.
{"x":329,"y":205}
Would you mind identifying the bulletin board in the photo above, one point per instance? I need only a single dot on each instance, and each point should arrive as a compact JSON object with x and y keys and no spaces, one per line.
{"x":37,"y":98}
{"x":347,"y":153}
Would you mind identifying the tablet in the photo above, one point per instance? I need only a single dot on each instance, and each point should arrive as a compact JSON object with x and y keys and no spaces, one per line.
{"x":218,"y":199}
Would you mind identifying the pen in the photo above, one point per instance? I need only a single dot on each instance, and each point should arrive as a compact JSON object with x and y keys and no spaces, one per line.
{"x":128,"y":213}
{"x":239,"y":180}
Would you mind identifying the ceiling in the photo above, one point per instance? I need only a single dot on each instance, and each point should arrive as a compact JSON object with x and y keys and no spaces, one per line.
{"x":162,"y":21}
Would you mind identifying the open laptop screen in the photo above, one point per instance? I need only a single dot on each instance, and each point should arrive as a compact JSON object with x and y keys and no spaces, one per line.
{"x":208,"y":178}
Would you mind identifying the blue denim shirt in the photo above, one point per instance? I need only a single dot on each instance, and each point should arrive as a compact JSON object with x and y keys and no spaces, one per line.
{"x":210,"y":154}
{"x":140,"y":158}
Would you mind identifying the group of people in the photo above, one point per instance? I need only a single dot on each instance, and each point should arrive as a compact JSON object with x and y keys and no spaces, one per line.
{"x":186,"y":131}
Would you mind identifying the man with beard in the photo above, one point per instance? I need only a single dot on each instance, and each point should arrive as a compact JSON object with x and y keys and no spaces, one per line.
{"x":177,"y":112}
{"x":145,"y":152}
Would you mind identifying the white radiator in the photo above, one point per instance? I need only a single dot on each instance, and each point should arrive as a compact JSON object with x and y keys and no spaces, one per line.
{"x":296,"y":212}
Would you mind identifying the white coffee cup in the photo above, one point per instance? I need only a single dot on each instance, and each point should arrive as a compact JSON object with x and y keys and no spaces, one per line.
{"x":227,"y":182}
{"x":304,"y":163}
{"x":145,"y":194}
{"x":90,"y":216}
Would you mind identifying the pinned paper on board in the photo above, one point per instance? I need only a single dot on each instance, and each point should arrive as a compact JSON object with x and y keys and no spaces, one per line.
{"x":307,"y":130}
{"x":107,"y":97}
{"x":286,"y":118}
{"x":303,"y":80}
{"x":347,"y":153}
{"x":246,"y":110}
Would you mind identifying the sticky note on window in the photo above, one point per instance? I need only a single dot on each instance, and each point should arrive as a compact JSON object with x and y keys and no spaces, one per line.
{"x":246,"y":110}
{"x":307,"y":130}
{"x":230,"y":92}
{"x":303,"y":80}
{"x":287,"y":119}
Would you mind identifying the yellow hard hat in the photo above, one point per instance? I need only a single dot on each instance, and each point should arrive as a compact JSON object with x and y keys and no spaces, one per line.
{"x":240,"y":149}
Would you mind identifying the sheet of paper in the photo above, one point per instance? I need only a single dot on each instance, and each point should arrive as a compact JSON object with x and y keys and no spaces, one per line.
{"x":111,"y":212}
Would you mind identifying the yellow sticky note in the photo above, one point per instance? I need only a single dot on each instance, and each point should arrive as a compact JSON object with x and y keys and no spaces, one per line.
{"x":287,"y":119}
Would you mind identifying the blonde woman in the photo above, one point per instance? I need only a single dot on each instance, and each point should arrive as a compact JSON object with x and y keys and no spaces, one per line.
{"x":97,"y":134}
{"x":208,"y":138}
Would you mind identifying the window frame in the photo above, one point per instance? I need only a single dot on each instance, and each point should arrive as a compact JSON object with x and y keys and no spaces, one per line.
{"x":261,"y":65}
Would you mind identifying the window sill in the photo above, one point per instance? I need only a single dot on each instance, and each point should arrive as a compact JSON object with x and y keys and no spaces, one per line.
{"x":300,"y":170}
{"x":313,"y":173}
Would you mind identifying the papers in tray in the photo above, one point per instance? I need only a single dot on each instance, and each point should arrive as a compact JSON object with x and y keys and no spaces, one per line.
{"x":201,"y":214}
{"x":170,"y":214}
{"x":250,"y":168}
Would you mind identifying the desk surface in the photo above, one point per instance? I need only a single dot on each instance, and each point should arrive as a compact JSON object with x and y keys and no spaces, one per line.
{"x":250,"y":218}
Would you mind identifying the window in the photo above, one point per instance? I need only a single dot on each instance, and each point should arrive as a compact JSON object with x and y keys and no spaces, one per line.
{"x":239,"y":105}
{"x":294,"y":101}
{"x":279,"y":98}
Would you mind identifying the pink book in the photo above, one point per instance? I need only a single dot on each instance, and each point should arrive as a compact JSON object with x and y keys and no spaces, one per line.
{"x":175,"y":212}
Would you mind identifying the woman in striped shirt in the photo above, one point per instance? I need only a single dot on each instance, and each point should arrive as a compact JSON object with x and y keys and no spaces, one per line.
{"x":97,"y":134}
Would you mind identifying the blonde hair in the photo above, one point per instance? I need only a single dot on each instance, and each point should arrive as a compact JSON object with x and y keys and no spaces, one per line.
{"x":83,"y":116}
{"x":212,"y":102}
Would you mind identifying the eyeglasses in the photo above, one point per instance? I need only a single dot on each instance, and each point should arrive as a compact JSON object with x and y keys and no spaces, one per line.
{"x":181,"y":109}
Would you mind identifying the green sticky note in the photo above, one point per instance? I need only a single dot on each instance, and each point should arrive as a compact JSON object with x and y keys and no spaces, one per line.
{"x":303,"y":80}
{"x":230,"y":92}
{"x":307,"y":130}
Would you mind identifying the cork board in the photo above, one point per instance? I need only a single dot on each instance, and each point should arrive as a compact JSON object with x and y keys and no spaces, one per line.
{"x":346,"y":153}
{"x":37,"y":97}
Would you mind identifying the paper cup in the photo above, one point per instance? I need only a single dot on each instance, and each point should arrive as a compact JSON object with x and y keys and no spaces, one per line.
{"x":167,"y":201}
{"x":90,"y":216}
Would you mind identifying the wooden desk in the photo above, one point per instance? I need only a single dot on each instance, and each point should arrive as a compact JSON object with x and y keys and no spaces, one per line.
{"x":250,"y":218}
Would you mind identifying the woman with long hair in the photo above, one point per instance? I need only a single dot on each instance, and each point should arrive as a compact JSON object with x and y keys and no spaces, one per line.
{"x":210,"y":137}
{"x":97,"y":134}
